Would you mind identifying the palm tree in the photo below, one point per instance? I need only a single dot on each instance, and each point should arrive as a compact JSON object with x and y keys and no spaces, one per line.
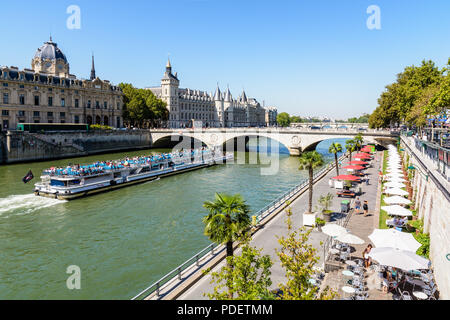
{"x":350,"y":145}
{"x":335,"y":148}
{"x":310,"y":161}
{"x":227,"y":220}
{"x":358,"y":141}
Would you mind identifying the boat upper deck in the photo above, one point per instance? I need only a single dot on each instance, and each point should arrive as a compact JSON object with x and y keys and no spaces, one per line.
{"x":103,"y":167}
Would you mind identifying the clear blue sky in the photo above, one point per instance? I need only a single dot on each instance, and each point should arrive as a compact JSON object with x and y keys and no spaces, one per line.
{"x":305,"y":57}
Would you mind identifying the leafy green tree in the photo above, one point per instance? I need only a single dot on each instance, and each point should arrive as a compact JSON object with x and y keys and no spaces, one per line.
{"x":141,"y":107}
{"x":350,"y":145}
{"x":248,"y":279}
{"x":227,"y":221}
{"x":402,"y":98}
{"x":283,"y":119}
{"x":298,"y":258}
{"x":335,"y":148}
{"x":310,"y":161}
{"x":295,"y":119}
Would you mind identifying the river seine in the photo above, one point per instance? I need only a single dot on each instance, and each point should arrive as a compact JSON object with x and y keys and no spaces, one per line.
{"x":123,"y":240}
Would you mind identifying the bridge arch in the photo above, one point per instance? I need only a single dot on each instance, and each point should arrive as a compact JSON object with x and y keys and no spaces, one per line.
{"x":239,"y":142}
{"x":177,"y":140}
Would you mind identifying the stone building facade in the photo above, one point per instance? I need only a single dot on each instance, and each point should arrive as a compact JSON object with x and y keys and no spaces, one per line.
{"x":48,"y":93}
{"x":187,"y":106}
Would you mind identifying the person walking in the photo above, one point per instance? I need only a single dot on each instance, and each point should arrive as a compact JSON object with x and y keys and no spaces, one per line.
{"x":366,"y":258}
{"x":357,"y":205}
{"x":366,"y":208}
{"x":367,"y":181}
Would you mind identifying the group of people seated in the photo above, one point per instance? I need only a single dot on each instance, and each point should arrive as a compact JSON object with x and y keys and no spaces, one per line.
{"x":101,"y":166}
{"x":397,"y":222}
{"x":391,"y":279}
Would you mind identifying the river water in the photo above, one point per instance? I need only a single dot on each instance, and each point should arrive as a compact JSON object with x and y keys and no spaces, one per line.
{"x":123,"y":240}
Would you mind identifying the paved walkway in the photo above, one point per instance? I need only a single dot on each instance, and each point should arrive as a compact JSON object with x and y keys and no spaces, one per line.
{"x":267,"y":238}
{"x":362,"y":227}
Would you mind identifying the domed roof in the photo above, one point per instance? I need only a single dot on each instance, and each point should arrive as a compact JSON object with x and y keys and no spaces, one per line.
{"x":50,"y":51}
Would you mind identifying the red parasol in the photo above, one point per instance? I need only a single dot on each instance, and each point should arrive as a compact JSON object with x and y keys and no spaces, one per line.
{"x":361,"y":155}
{"x":358,"y":162}
{"x":354,"y":167}
{"x":347,"y":177}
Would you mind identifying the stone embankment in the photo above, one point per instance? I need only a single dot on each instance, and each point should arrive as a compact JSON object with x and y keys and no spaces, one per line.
{"x":18,"y":146}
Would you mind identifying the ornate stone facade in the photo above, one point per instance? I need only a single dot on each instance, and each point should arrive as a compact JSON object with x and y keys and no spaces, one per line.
{"x":48,"y":93}
{"x":187,"y":106}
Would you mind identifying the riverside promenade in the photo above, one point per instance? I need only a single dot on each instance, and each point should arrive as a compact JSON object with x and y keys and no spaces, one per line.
{"x":266,"y":238}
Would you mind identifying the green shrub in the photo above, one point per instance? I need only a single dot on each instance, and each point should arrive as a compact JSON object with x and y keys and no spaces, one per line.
{"x":320,"y":222}
{"x":424,"y":240}
{"x":99,"y":127}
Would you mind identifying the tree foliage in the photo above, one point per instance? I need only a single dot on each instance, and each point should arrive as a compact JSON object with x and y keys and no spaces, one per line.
{"x":228,"y":219}
{"x":335,"y":148}
{"x":418,"y":92}
{"x":247,"y":279}
{"x":283,"y":119}
{"x":141,"y":107}
{"x":310,"y":161}
{"x":298,"y":258}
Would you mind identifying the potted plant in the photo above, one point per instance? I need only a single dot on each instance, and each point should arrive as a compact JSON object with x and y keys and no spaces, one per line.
{"x":320,"y":223}
{"x":325,"y":202}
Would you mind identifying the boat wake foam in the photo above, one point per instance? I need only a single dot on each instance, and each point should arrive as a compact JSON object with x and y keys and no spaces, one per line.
{"x":25,"y":204}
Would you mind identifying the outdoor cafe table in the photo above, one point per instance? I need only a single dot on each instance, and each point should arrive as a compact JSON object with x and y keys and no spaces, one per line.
{"x":334,"y":251}
{"x":348,"y":289}
{"x":420,"y":295}
{"x":351,"y":263}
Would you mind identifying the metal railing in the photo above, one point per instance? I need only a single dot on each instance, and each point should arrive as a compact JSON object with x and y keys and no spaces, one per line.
{"x":430,"y":173}
{"x":215,"y":249}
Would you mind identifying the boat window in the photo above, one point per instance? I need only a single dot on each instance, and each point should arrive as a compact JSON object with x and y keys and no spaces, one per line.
{"x":74,"y":182}
{"x":145,"y":169}
{"x":57,"y":183}
{"x":116,"y":174}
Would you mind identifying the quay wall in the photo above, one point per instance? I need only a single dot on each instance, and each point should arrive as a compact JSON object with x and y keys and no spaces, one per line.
{"x":432,"y":202}
{"x":18,"y":146}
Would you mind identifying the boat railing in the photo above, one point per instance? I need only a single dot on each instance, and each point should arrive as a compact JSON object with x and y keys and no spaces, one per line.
{"x":215,"y":249}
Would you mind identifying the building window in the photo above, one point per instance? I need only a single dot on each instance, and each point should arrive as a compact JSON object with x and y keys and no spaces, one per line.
{"x":5,"y":84}
{"x":5,"y":124}
{"x":5,"y":112}
{"x":76,"y":103}
{"x":89,"y":104}
{"x":50,"y":89}
{"x":50,"y":114}
{"x":76,"y":119}
{"x":5,"y":75}
{"x":62,"y":114}
{"x":22,"y":99}
{"x":35,"y":113}
{"x":21,"y":113}
{"x":105,"y":105}
{"x":50,"y":101}
{"x":5,"y":98}
{"x":97,"y":105}
{"x":21,"y":86}
{"x":36,"y":121}
{"x":36,"y":100}
{"x":63,"y":102}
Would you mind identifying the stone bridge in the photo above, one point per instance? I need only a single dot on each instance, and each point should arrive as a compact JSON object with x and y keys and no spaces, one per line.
{"x":296,"y":140}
